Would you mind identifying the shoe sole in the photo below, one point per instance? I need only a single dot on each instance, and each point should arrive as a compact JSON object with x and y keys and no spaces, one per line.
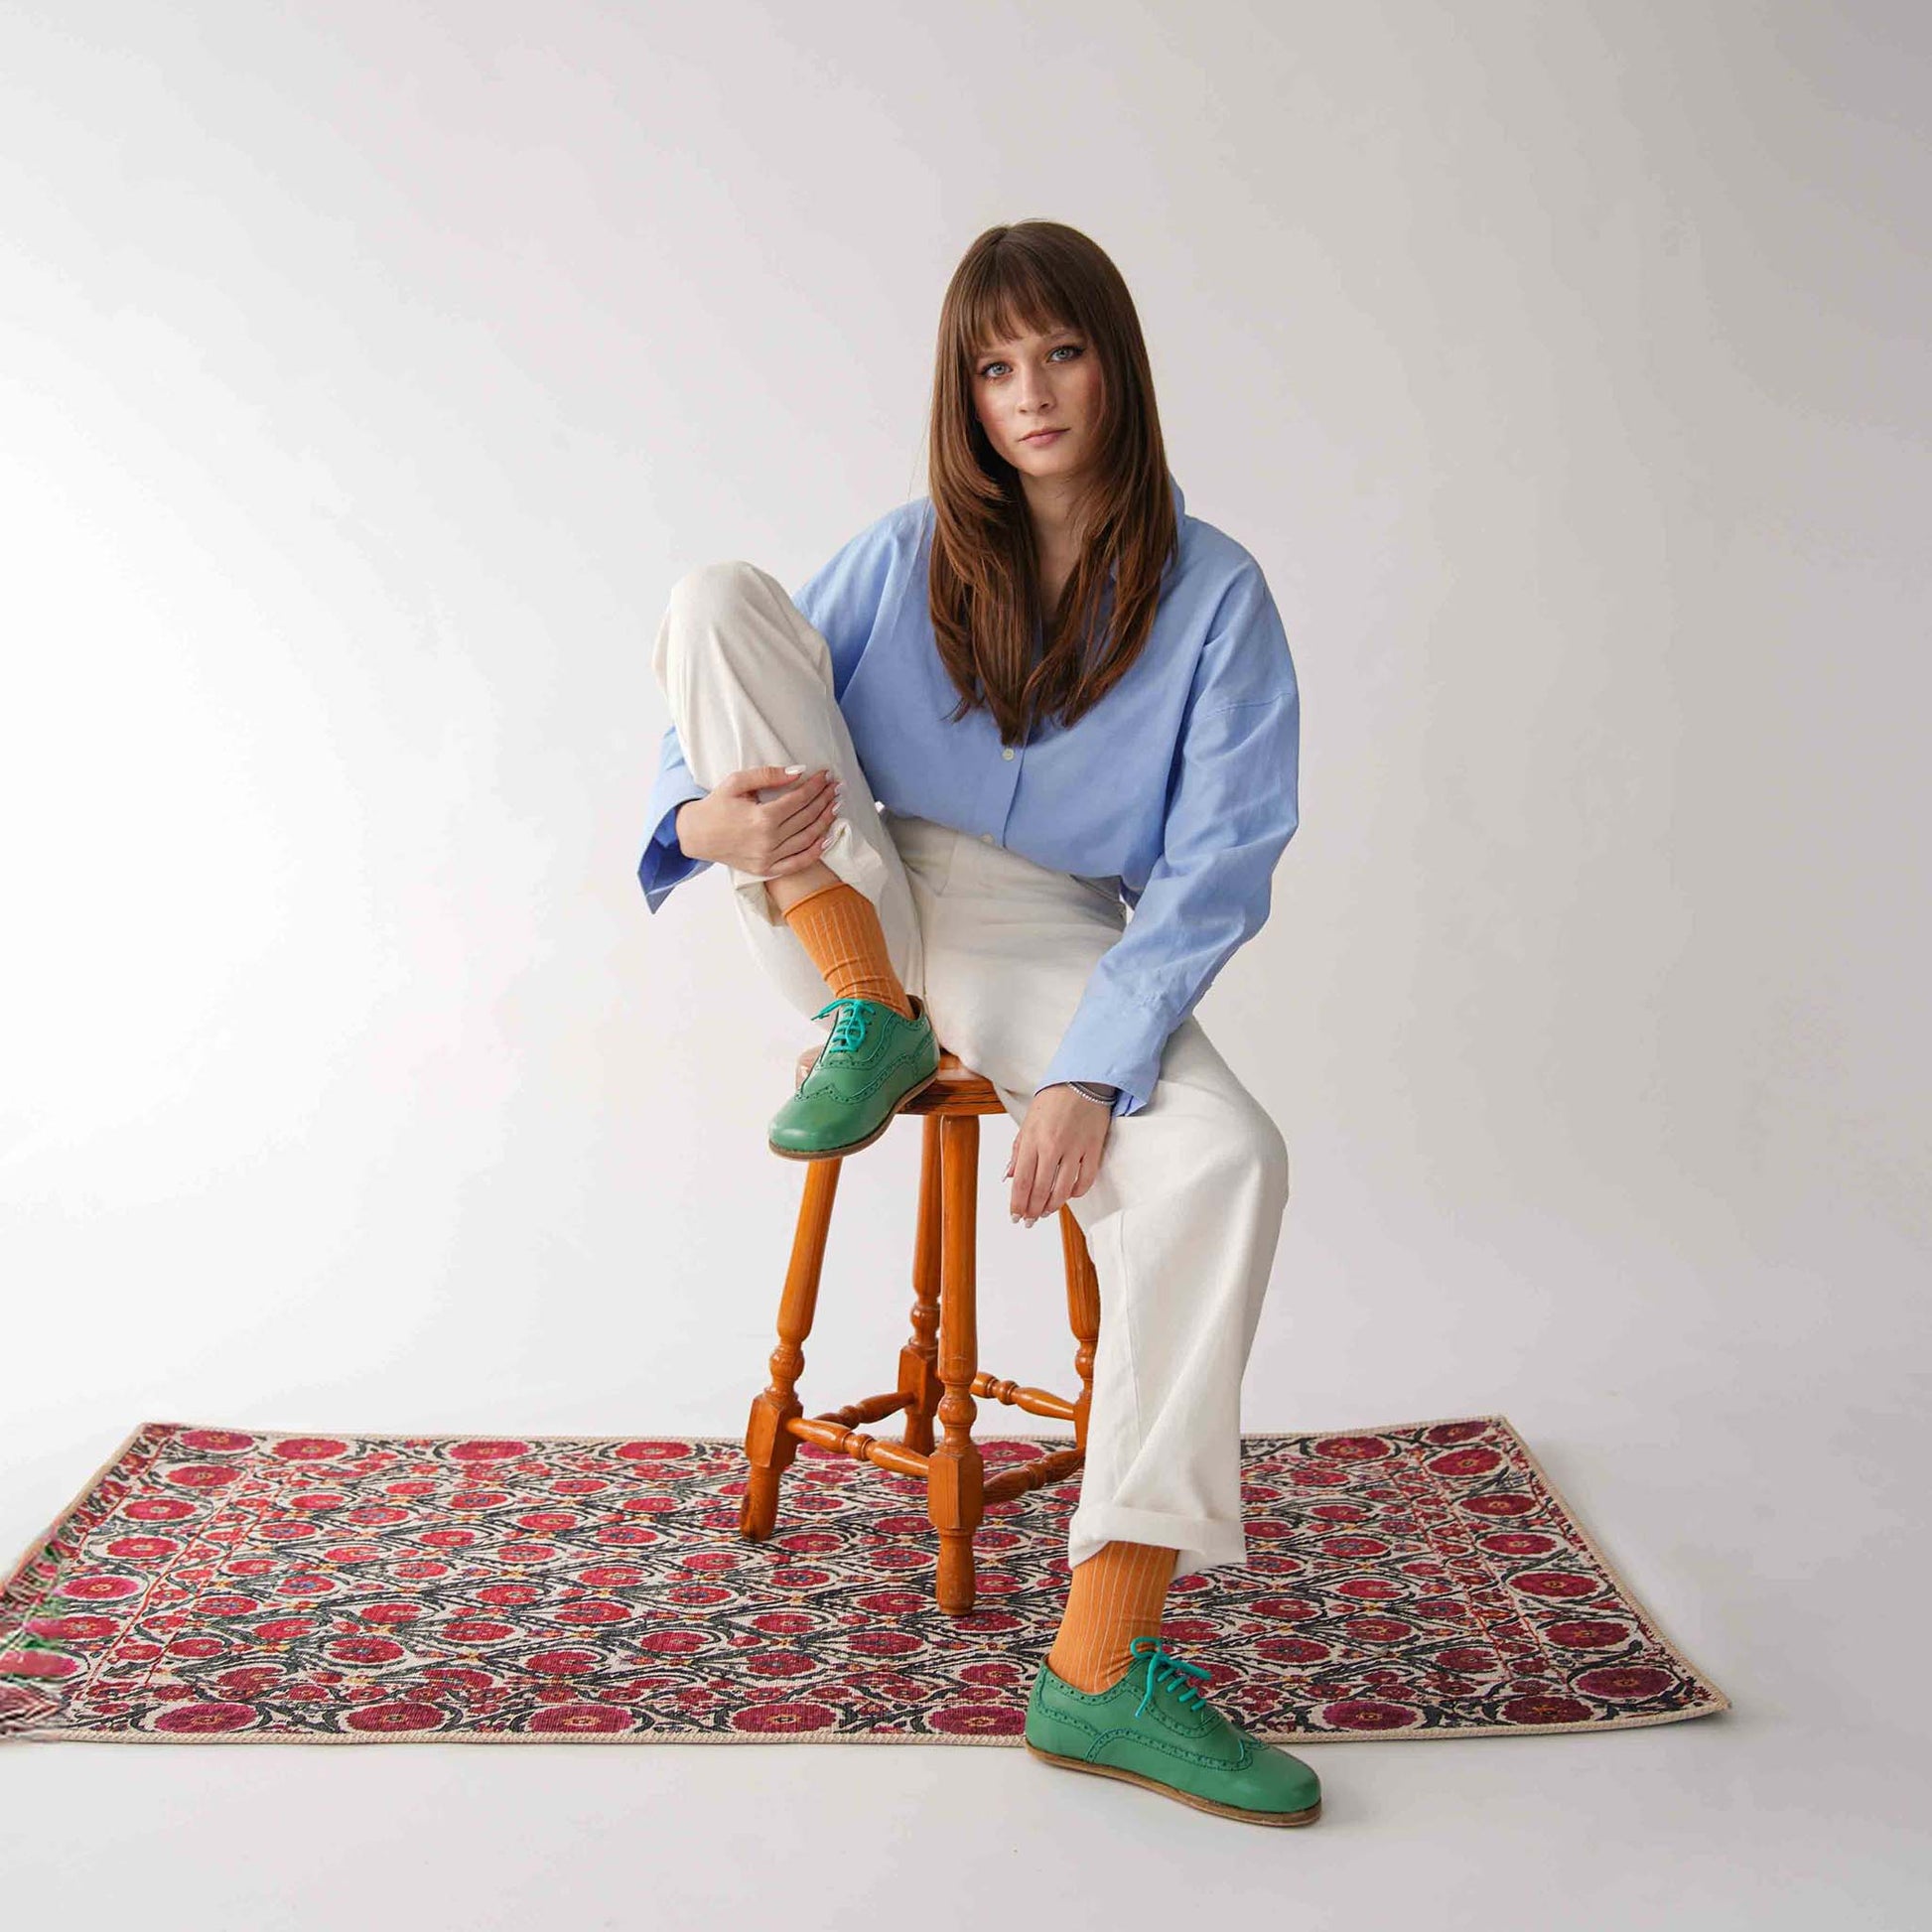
{"x":839,"y":1152}
{"x":1247,"y":1817}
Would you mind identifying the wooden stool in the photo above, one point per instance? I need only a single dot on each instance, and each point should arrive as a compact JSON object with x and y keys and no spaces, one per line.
{"x":939,"y":1368}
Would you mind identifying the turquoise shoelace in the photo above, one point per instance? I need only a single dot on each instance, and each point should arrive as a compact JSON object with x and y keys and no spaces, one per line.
{"x":1164,"y":1666}
{"x":849,"y":1029}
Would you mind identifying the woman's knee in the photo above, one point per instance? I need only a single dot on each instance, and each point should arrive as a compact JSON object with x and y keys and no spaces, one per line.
{"x":711,"y":587}
{"x":1254,"y":1145}
{"x":1272,"y":1154}
{"x":700,"y":611}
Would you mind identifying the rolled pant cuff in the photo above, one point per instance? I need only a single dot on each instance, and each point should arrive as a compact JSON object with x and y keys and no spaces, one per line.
{"x":1201,"y":1542}
{"x":849,"y":856}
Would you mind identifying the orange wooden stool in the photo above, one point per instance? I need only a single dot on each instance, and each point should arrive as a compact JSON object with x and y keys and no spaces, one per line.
{"x":939,"y":1368}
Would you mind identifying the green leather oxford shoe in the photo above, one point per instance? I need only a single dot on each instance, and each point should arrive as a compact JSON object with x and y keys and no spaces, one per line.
{"x":1154,"y":1727}
{"x":871,"y":1066}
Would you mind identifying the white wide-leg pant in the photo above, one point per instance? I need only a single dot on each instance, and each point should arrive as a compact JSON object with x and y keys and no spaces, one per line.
{"x":1185,"y":1215}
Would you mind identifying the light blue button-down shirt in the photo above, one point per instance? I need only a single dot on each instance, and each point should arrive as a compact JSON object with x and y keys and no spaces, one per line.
{"x":1182,"y":783}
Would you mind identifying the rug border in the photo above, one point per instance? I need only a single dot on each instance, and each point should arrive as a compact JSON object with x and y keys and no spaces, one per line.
{"x":39,"y":1544}
{"x":52,"y":1733}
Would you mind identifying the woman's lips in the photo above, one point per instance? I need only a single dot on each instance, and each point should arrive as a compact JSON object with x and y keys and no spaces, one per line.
{"x":1044,"y":436}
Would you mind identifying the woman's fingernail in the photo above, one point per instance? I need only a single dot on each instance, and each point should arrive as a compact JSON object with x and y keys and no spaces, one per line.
{"x":793,"y":771}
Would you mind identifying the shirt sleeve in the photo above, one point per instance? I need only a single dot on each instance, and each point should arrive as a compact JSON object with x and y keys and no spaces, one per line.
{"x":1232,"y":808}
{"x":843,"y":601}
{"x":846,"y":598}
{"x":665,"y":862}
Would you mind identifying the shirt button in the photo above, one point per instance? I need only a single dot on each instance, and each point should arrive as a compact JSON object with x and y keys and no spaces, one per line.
{"x":1008,"y":752}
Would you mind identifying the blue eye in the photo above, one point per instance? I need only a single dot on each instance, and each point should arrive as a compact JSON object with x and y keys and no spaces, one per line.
{"x":1076,"y":348}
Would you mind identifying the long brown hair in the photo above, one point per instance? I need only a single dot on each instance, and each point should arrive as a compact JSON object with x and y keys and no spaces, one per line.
{"x":983,"y":581}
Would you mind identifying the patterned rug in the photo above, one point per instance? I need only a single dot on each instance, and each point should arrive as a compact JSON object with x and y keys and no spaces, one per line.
{"x":242,"y":1587}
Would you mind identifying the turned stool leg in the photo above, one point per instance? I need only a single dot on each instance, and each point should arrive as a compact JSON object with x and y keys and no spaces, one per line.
{"x":768,"y":1444}
{"x":954,"y":1477}
{"x":918,"y":1361}
{"x":1084,"y":1311}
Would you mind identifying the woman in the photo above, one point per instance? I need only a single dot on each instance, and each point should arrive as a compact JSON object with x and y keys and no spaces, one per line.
{"x":935,"y":777}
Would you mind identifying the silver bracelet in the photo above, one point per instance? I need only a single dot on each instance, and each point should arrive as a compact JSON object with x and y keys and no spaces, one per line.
{"x":1094,"y":1090}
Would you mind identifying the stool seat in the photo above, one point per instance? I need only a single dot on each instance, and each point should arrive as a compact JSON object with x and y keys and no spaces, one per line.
{"x":939,"y":1376}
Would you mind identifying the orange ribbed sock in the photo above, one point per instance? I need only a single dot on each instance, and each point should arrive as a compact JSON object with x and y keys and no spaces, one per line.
{"x":838,"y":926}
{"x":1117,"y":1594}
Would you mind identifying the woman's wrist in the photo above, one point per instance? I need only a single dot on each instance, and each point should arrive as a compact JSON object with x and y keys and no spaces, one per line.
{"x":679,"y":820}
{"x":1095,"y":1090}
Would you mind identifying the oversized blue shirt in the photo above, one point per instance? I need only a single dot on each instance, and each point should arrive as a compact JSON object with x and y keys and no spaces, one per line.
{"x":1181,"y":785}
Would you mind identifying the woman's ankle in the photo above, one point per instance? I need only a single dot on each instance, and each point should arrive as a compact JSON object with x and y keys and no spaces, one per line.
{"x":785,"y":892}
{"x":838,"y":926}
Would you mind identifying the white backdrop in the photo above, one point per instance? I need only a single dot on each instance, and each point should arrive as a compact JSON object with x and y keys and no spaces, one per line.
{"x":370,"y":373}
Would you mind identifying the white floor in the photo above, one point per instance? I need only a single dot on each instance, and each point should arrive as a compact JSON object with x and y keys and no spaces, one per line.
{"x":1740,"y":1820}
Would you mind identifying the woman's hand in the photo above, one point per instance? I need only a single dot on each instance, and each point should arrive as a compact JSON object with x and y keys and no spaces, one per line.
{"x":1056,"y":1153}
{"x":732,"y":826}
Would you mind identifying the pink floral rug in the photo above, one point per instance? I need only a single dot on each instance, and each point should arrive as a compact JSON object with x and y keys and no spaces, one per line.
{"x":240,"y":1585}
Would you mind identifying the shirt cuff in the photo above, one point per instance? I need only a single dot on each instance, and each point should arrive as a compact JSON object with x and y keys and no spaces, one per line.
{"x":665,"y":862}
{"x":1114,"y":1040}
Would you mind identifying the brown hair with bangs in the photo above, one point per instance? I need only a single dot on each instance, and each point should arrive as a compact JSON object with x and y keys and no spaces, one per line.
{"x":984,"y":580}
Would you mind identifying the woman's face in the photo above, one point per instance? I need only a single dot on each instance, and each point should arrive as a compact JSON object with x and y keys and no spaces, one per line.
{"x":1039,"y":401}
